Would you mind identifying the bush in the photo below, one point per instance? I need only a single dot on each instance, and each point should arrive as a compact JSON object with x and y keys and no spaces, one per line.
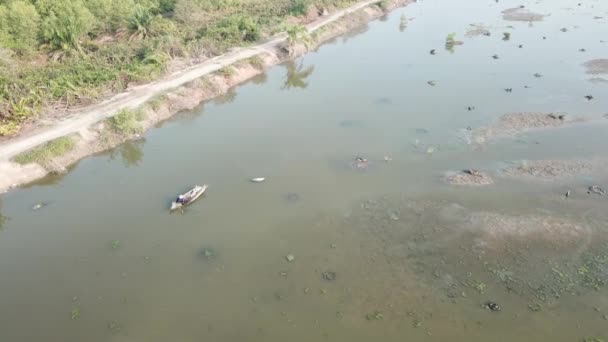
{"x":43,"y":154}
{"x":19,"y":26}
{"x":66,"y":21}
{"x":127,"y":122}
{"x":234,"y":30}
{"x":298,"y":7}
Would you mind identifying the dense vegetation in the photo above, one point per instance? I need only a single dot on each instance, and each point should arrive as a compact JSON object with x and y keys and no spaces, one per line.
{"x":67,"y":52}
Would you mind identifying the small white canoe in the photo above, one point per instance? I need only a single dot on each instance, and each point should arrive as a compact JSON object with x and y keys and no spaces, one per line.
{"x":188,"y":197}
{"x":258,"y":180}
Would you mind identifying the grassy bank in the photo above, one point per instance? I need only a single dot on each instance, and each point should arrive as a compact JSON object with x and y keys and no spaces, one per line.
{"x":44,"y":154}
{"x":63,"y":53}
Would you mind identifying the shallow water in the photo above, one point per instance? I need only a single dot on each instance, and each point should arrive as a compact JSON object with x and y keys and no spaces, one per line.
{"x":414,"y":258}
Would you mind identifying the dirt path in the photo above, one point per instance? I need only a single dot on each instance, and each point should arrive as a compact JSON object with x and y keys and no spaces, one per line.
{"x":140,"y":94}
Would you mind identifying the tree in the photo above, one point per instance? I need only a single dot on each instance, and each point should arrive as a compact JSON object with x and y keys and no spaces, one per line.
{"x":65,"y":22}
{"x":297,"y":34}
{"x":19,"y":26}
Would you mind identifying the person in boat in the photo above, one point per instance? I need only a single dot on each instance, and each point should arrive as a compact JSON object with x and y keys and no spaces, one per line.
{"x":181,"y":199}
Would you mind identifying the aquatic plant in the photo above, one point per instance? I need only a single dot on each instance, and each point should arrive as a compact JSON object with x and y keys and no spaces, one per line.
{"x":374,"y":316}
{"x":115,"y":244}
{"x":75,"y":313}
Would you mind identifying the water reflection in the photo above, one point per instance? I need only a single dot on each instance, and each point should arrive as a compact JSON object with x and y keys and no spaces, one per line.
{"x":3,"y":218}
{"x":229,"y":97}
{"x":259,"y":79}
{"x":296,"y":75}
{"x":131,"y":152}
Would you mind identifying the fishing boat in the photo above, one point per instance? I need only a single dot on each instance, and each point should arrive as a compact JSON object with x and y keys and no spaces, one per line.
{"x":188,"y":197}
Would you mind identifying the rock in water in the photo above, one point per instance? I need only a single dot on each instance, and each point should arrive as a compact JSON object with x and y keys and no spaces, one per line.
{"x":492,"y":306}
{"x":329,"y":275}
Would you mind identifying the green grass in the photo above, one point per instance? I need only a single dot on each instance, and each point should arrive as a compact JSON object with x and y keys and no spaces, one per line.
{"x":127,"y":122}
{"x":226,"y":71}
{"x":46,"y":152}
{"x":257,"y":62}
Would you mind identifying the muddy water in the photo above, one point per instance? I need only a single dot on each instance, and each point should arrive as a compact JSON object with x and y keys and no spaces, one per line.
{"x":387,"y":253}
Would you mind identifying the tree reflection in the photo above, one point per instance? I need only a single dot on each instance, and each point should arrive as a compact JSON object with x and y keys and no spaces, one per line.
{"x":131,"y":152}
{"x":3,"y":219}
{"x":296,"y":75}
{"x":229,"y":97}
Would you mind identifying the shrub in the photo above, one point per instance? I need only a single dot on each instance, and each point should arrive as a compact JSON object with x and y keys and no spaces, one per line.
{"x":298,"y":7}
{"x":43,"y":154}
{"x":66,"y":21}
{"x":127,"y":122}
{"x":19,"y":26}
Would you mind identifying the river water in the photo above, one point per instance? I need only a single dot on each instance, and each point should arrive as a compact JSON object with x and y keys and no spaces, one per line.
{"x":387,"y":253}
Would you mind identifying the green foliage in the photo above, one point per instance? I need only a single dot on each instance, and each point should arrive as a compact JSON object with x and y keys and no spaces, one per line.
{"x":126,"y":122}
{"x":234,"y":30}
{"x":298,"y":7}
{"x":257,"y":62}
{"x":65,"y":22}
{"x":226,"y":71}
{"x":99,"y":47}
{"x":384,"y":4}
{"x":19,"y":26}
{"x":297,"y":34}
{"x":45,"y":153}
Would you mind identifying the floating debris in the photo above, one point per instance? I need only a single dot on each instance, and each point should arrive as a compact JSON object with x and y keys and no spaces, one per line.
{"x":492,"y":306}
{"x":361,"y":163}
{"x":430,"y":150}
{"x":329,"y":275}
{"x":433,"y":52}
{"x":509,"y":90}
{"x":374,"y":316}
{"x":537,"y":75}
{"x":39,"y":206}
{"x":595,"y":189}
{"x":115,"y":244}
{"x":495,"y":56}
{"x":589,"y":97}
{"x":431,"y":83}
{"x":567,"y":194}
{"x":506,"y":36}
{"x":207,"y":253}
{"x":582,"y":50}
{"x":520,"y":46}
{"x":387,"y":159}
{"x":290,"y":257}
{"x":75,"y":313}
{"x":564,"y":29}
{"x":470,"y":108}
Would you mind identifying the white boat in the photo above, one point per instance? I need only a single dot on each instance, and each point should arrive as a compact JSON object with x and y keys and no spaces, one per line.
{"x":188,"y":197}
{"x":258,"y":180}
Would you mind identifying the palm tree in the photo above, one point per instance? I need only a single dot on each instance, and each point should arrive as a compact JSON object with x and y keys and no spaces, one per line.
{"x":139,"y":23}
{"x":296,"y":75}
{"x":297,"y":34}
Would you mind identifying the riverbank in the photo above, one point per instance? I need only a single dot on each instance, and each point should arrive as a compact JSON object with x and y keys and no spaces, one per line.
{"x":92,"y":130}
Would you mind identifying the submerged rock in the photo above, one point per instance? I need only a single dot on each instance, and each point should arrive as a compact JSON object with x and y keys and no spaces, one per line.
{"x":492,"y":306}
{"x":469,"y":177}
{"x":595,"y":189}
{"x":207,"y":253}
{"x":329,"y":275}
